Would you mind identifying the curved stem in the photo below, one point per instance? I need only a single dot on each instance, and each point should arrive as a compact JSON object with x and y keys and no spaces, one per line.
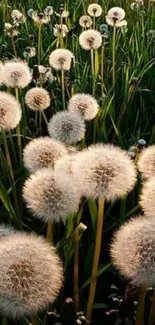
{"x":76,"y":268}
{"x":96,"y":260}
{"x":49,"y":235}
{"x":152,"y":311}
{"x":141,"y":306}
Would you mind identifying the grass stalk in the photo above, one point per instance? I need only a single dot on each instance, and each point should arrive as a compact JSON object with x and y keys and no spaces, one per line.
{"x":141,"y":306}
{"x":95,"y":260}
{"x":18,"y":132}
{"x":93,"y":71}
{"x":76,"y":268}
{"x":39,"y":43}
{"x":113,"y":55}
{"x":152,"y":311}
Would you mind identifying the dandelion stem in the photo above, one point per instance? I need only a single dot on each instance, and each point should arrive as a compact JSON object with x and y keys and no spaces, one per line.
{"x":152,"y":311}
{"x":49,"y":235}
{"x":102,"y":69}
{"x":34,"y":320}
{"x":7,"y":155}
{"x":93,"y":71}
{"x":113,"y":55}
{"x":13,"y":46}
{"x":44,"y":117}
{"x":94,"y":22}
{"x":141,"y":306}
{"x":39,"y":43}
{"x":76,"y":268}
{"x":18,"y":132}
{"x":95,"y":260}
{"x":63,"y":88}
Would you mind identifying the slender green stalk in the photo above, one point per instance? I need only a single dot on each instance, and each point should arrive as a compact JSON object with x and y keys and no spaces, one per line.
{"x":102,"y":69}
{"x":95,"y":260}
{"x":39,"y":43}
{"x":94,"y":22}
{"x":49,"y":235}
{"x":141,"y":306}
{"x":63,"y":88}
{"x":44,"y":117}
{"x":76,"y":268}
{"x":34,"y":320}
{"x":93,"y":71}
{"x":113,"y":55}
{"x":152,"y":311}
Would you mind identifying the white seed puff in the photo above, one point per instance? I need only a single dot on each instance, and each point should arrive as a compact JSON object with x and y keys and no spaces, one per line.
{"x":16,"y":74}
{"x":10,"y":111}
{"x":37,"y":99}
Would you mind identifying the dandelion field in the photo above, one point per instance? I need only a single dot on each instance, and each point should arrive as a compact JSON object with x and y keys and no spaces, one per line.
{"x":77,"y":158}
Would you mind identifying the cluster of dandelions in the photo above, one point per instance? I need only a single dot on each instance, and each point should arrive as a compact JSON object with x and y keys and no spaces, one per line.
{"x":31,"y":274}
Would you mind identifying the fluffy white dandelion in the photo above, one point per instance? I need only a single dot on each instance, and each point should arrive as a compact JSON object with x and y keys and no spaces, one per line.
{"x":31,"y":275}
{"x":133,"y":250}
{"x":40,"y":18}
{"x":84,"y":104}
{"x":37,"y":99}
{"x":105,"y":171}
{"x":61,"y":59}
{"x":60,"y":30}
{"x":116,"y":13}
{"x":42,"y":152}
{"x":94,"y":10}
{"x":10,"y":111}
{"x":18,"y":17}
{"x":147,"y":197}
{"x":51,"y":195}
{"x":146,"y":162}
{"x":17,"y":74}
{"x":90,"y":39}
{"x":48,"y":11}
{"x":67,"y":127}
{"x":85,"y":21}
{"x":118,"y":23}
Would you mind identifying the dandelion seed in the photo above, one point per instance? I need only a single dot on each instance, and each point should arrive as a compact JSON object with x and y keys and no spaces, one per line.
{"x":146,"y":162}
{"x":16,"y":74}
{"x":85,"y":21}
{"x":18,"y":17}
{"x":51,"y":195}
{"x":10,"y":112}
{"x":61,"y":59}
{"x":30,"y":275}
{"x":105,"y":171}
{"x":60,"y":30}
{"x":42,"y":152}
{"x":84,"y":104}
{"x":67,"y":127}
{"x":94,"y":10}
{"x":133,"y":250}
{"x":147,"y":197}
{"x":29,"y":52}
{"x":48,"y":11}
{"x":37,"y":99}
{"x":90,"y":39}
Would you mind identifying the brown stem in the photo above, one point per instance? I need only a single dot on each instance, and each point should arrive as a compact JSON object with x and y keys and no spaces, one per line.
{"x":49,"y":236}
{"x":141,"y":306}
{"x":152,"y":311}
{"x":34,"y":320}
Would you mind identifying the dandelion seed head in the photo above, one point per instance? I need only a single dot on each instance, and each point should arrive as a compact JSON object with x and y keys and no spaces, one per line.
{"x":147,"y":197}
{"x":94,"y":10}
{"x":67,"y":127}
{"x":105,"y":171}
{"x":37,"y":99}
{"x":60,"y":30}
{"x":16,"y":74}
{"x":48,"y":11}
{"x":146,"y":162}
{"x":118,"y":23}
{"x":61,"y":59}
{"x":1,"y":73}
{"x":30,"y":275}
{"x":42,"y":152}
{"x":10,"y":111}
{"x":84,"y":104}
{"x":90,"y":39}
{"x":116,"y":13}
{"x":40,"y":18}
{"x":17,"y":16}
{"x":50,"y":195}
{"x":133,"y":250}
{"x":85,"y":21}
